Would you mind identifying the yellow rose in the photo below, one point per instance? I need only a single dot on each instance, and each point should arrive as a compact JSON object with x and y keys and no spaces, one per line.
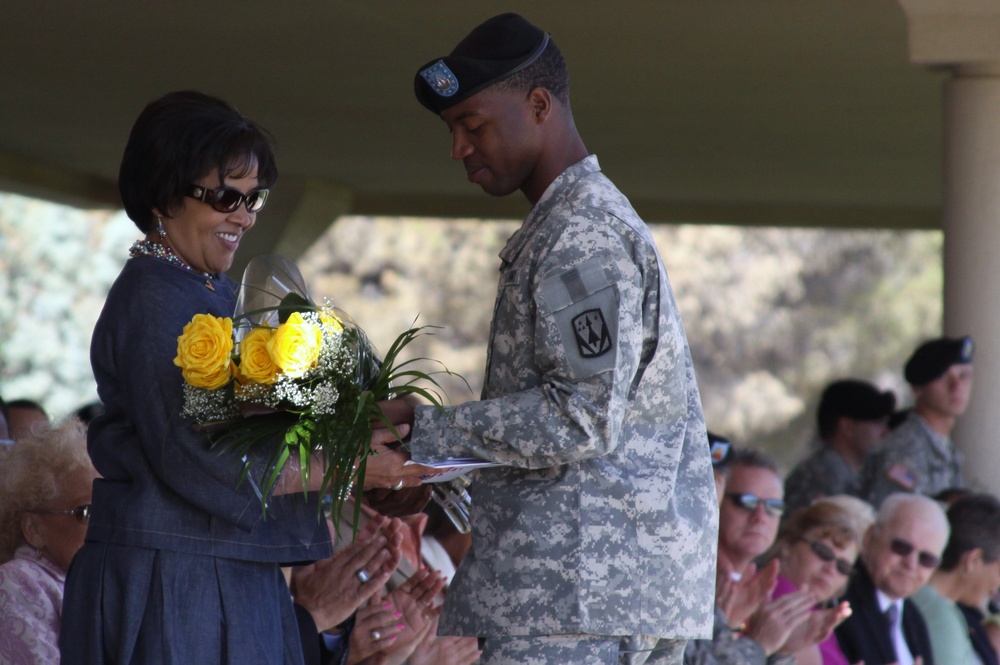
{"x":295,"y":346}
{"x":204,"y":350}
{"x":255,"y":361}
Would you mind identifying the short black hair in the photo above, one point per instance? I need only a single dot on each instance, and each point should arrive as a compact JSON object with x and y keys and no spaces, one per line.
{"x":549,"y":71}
{"x":975,"y":522}
{"x":179,"y":139}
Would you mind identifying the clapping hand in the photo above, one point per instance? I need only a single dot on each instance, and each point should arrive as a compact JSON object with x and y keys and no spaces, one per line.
{"x":772,"y":624}
{"x":332,"y":589}
{"x":738,"y":599}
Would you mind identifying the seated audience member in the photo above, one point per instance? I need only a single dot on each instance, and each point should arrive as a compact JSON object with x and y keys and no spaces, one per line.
{"x":25,"y":416}
{"x":961,"y":587}
{"x":852,"y":418}
{"x":860,"y":511}
{"x":45,"y":487}
{"x":816,"y":549}
{"x":749,"y":626}
{"x":918,"y":455}
{"x":898,"y":554}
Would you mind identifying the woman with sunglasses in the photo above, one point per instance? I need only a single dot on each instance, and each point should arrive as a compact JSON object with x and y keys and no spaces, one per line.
{"x":816,"y":548}
{"x":45,"y":482}
{"x":180,"y":564}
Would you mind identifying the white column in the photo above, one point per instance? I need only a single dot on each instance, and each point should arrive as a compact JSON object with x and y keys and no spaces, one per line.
{"x":963,"y":37}
{"x":972,"y":258}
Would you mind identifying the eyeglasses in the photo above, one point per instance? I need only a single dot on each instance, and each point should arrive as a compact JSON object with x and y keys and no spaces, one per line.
{"x":904,"y":548}
{"x":227,"y":199}
{"x":81,"y":513}
{"x":749,"y":502}
{"x":826,"y":554}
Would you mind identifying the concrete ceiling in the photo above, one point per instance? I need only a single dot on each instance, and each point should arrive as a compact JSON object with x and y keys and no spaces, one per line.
{"x":795,"y":112}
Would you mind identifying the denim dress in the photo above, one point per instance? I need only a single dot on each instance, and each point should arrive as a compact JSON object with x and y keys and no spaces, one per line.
{"x":179,"y":565}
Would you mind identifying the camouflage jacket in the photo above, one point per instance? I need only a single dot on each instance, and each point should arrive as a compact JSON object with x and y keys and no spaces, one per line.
{"x":823,"y":473}
{"x":602,"y":518}
{"x":913,"y":458}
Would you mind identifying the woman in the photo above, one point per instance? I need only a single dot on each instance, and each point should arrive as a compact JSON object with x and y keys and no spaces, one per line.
{"x":180,"y":565}
{"x":45,"y":482}
{"x":816,"y":548}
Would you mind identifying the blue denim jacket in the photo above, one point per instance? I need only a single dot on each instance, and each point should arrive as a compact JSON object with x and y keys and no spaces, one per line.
{"x":162,"y":484}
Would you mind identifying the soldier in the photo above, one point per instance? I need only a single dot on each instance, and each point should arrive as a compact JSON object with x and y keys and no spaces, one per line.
{"x":596,"y":534}
{"x":918,"y":456}
{"x":852,"y":418}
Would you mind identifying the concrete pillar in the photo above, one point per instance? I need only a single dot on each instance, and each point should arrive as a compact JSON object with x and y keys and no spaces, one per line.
{"x":963,"y":37}
{"x":972,"y":258}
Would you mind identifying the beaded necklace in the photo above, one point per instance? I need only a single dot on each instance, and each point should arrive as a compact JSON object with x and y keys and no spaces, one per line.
{"x":164,"y":253}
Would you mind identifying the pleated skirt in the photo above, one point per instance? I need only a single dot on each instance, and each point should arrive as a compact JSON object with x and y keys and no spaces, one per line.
{"x":129,"y":605}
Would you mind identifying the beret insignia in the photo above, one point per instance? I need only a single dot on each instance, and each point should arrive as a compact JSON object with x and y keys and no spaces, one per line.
{"x":440,"y":79}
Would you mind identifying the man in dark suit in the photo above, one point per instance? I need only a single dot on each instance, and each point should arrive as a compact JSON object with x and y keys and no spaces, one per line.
{"x":898,"y":555}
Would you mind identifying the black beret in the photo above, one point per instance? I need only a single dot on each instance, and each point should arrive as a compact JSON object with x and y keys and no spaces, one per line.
{"x":857,"y":400}
{"x":933,"y":358}
{"x":719,"y":448}
{"x":493,"y":51}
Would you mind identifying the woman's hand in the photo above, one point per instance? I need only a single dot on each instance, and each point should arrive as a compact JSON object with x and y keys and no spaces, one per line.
{"x":738,"y":599}
{"x":376,"y":629}
{"x":387,"y":468}
{"x":331,"y":589}
{"x":816,"y":628}
{"x":771,"y":625}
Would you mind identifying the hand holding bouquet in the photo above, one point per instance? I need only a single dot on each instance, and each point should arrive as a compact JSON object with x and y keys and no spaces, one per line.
{"x":286,"y":381}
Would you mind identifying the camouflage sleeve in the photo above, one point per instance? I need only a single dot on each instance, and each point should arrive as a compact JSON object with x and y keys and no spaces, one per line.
{"x":738,"y":651}
{"x":582,"y":321}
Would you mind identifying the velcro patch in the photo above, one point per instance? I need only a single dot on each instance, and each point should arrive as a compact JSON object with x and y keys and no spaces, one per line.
{"x":592,"y":336}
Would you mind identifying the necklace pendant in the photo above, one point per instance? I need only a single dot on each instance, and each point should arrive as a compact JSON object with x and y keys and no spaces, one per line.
{"x":208,"y":285}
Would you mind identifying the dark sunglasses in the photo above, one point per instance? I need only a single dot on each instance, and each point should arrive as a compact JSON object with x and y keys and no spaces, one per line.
{"x":81,"y":513}
{"x":227,"y":199}
{"x":749,"y":502}
{"x":826,"y":554}
{"x":904,"y":548}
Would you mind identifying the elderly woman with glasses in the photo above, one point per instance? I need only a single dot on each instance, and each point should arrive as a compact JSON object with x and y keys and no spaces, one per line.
{"x":181,"y":565}
{"x":816,"y":548}
{"x":45,"y":485}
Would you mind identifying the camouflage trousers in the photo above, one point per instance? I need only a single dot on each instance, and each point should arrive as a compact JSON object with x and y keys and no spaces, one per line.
{"x":579,"y":650}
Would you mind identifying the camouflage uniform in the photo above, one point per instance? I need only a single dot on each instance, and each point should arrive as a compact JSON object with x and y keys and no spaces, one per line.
{"x":728,"y":648}
{"x":602,"y":519}
{"x":824,"y":473}
{"x":913,"y":458}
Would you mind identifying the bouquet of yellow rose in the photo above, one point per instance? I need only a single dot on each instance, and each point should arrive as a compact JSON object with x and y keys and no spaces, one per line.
{"x":293,"y":379}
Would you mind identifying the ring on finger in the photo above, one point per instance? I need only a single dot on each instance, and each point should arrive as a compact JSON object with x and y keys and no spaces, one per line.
{"x":398,"y":486}
{"x":362,"y":575}
{"x":376,"y":636}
